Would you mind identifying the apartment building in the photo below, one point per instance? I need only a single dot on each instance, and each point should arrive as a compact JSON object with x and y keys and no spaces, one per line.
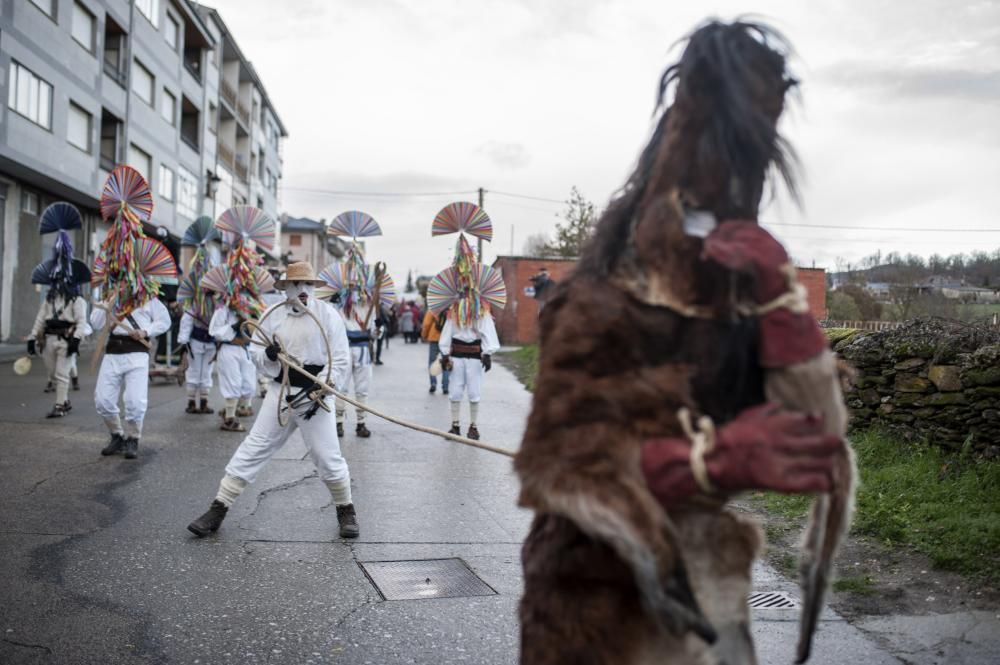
{"x":305,"y":239}
{"x":90,"y":84}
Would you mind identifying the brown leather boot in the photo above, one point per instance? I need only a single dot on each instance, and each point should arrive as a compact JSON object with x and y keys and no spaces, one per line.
{"x":191,"y":408}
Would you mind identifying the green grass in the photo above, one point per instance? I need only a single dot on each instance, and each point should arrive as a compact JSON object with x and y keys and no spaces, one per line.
{"x":524,"y":363}
{"x":864,"y":586}
{"x":942,"y":504}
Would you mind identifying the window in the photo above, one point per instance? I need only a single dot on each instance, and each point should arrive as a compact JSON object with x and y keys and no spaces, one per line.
{"x":173,"y":31}
{"x":189,"y":123}
{"x":213,"y":118}
{"x":150,"y":9}
{"x":166,"y":183}
{"x":79,"y":127}
{"x":142,"y":82}
{"x":114,"y":51}
{"x":187,"y":193}
{"x":48,"y":7}
{"x":30,"y":96}
{"x":111,"y":132}
{"x":29,"y":202}
{"x":168,"y":104}
{"x":294,"y":240}
{"x":83,"y":27}
{"x":140,"y":161}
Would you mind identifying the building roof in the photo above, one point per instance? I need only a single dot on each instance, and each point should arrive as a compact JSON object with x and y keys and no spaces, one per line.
{"x":302,"y":224}
{"x":190,"y":8}
{"x":209,"y":11}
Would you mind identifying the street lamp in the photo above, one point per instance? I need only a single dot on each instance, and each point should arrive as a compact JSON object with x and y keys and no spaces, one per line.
{"x":211,"y":184}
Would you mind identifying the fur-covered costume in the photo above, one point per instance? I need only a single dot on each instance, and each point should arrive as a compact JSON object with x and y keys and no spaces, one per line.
{"x":651,"y":340}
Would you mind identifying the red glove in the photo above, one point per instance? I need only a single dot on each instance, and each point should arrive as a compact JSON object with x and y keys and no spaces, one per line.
{"x":763,"y":448}
{"x":787,"y":337}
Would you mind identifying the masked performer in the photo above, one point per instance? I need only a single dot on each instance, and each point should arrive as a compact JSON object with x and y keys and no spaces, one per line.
{"x":356,"y":291}
{"x":650,"y":412}
{"x":467,"y":291}
{"x":62,"y":318}
{"x":239,"y":283}
{"x":130,"y":267}
{"x":198,"y":306}
{"x":294,"y":332}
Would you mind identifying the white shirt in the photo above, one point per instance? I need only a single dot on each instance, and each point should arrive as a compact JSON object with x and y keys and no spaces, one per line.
{"x":188,"y":323}
{"x":301,"y":338}
{"x":75,"y":312}
{"x":152,"y":317}
{"x":484,"y":330}
{"x":221,"y":325}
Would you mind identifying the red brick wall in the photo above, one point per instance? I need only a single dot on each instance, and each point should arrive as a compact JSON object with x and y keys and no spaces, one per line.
{"x":814,"y":279}
{"x":518,"y":322}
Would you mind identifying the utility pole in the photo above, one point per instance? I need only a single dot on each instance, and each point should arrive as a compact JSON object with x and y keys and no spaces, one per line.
{"x":479,"y":241}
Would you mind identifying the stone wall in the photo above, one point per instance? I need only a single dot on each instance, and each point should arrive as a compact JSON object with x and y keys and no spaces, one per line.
{"x":930,"y":378}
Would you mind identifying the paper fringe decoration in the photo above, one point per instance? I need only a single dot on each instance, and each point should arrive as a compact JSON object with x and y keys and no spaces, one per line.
{"x":126,"y":190}
{"x":117,"y":266}
{"x":246,"y":301}
{"x":60,"y":216}
{"x":442,"y":291}
{"x":354,"y":224}
{"x":248,"y":223}
{"x":469,"y":298}
{"x":199,"y":303}
{"x":490,"y":286}
{"x":201,"y":232}
{"x":386,"y":292}
{"x":336,"y":277}
{"x":463,"y":216}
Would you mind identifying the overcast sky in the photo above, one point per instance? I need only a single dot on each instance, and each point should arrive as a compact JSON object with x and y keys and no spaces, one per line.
{"x":898,"y":125}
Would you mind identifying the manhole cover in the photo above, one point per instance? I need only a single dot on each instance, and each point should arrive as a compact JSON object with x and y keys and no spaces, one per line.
{"x":771,"y":600}
{"x":428,"y":578}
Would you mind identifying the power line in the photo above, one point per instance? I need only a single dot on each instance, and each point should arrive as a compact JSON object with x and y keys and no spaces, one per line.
{"x":336,"y":192}
{"x":525,"y":196}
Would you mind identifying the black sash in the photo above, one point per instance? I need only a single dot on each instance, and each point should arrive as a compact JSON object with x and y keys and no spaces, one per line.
{"x":460,"y":349}
{"x":201,"y":334}
{"x":299,"y":380}
{"x":121,"y":344}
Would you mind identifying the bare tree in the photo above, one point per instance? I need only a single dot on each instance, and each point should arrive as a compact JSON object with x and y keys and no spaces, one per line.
{"x":535,"y":245}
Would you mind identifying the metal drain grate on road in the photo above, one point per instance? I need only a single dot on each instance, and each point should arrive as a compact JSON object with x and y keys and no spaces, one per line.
{"x":771,"y":600}
{"x":427,"y":578}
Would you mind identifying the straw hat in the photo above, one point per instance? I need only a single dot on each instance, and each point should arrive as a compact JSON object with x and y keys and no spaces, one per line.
{"x":300,"y":271}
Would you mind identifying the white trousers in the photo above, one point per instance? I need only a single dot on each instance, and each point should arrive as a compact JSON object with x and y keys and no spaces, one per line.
{"x":199,"y":371}
{"x":267,"y":436}
{"x":58,"y":365}
{"x":466,"y":378}
{"x":361,"y":375}
{"x":131,"y":372}
{"x":237,"y":373}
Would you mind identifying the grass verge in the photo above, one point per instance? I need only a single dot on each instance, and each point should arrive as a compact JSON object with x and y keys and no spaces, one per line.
{"x":944,"y":505}
{"x":524,"y":363}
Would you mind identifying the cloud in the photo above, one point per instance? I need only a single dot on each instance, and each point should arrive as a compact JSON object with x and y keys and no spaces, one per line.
{"x":917,"y":81}
{"x":508,"y":155}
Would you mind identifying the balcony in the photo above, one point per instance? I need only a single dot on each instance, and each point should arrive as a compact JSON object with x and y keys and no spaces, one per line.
{"x":228,"y":93}
{"x":242,"y":172}
{"x":226,"y":155}
{"x":243,"y":113}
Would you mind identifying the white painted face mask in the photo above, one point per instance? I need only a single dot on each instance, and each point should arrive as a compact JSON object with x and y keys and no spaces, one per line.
{"x":297,"y":292}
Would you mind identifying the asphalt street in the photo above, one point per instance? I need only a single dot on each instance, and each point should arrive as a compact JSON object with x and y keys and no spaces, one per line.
{"x":96,"y":565}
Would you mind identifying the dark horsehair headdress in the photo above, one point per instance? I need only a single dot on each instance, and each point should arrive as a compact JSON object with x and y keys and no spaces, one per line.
{"x":467,"y":289}
{"x":130,"y":265}
{"x":354,"y":281}
{"x":244,"y":279}
{"x":63,"y":274}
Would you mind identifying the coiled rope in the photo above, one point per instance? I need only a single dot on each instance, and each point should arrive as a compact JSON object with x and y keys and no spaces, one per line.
{"x":256,"y":334}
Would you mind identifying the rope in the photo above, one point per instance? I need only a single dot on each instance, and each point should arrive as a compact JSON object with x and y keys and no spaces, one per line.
{"x":702,"y":440}
{"x":288,"y":362}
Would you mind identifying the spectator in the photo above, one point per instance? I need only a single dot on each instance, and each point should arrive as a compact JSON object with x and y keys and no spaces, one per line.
{"x":431,"y":332}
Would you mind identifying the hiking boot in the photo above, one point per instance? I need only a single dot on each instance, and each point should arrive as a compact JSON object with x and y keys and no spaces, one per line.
{"x":340,"y":430}
{"x":348,"y":521}
{"x":191,"y":408}
{"x":50,"y":387}
{"x":67,"y":407}
{"x":444,"y":391}
{"x":58,"y":411}
{"x":116,"y":445}
{"x":76,"y":382}
{"x":210,"y":521}
{"x":204,"y":407}
{"x":455,"y":429}
{"x":433,"y":390}
{"x":131,"y":447}
{"x":362,"y":431}
{"x":473,"y":433}
{"x":379,"y":362}
{"x":232,"y":425}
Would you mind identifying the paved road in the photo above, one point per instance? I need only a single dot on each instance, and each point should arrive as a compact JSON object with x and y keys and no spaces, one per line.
{"x":96,"y":565}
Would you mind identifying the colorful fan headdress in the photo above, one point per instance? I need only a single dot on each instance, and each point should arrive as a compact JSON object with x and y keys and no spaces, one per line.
{"x":247,"y":227}
{"x":355,"y":279}
{"x":219,"y":280}
{"x":199,"y":303}
{"x":467,"y":288}
{"x":129,"y":264}
{"x":62,"y":272}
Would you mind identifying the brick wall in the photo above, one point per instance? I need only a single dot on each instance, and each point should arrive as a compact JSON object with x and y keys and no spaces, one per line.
{"x":518,"y":322}
{"x":814,"y":279}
